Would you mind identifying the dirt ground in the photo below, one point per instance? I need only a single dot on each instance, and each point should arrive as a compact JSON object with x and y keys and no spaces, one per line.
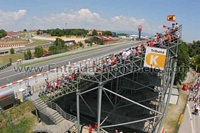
{"x":174,"y":111}
{"x":173,"y":114}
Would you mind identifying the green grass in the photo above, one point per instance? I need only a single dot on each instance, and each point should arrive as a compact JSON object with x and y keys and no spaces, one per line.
{"x":22,"y":125}
{"x":28,"y":64}
{"x":37,"y":42}
{"x":4,"y":59}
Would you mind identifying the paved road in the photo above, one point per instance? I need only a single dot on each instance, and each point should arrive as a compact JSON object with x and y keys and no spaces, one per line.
{"x":190,"y":122}
{"x":10,"y":75}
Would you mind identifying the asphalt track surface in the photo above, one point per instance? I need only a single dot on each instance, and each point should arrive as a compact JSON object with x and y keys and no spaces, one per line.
{"x":9,"y":75}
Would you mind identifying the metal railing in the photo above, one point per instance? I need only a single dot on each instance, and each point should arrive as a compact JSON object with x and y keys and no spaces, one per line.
{"x":62,"y":112}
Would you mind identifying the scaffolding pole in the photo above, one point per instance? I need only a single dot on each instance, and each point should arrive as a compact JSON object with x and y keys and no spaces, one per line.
{"x":169,"y":94}
{"x":78,"y":110}
{"x":99,"y":107}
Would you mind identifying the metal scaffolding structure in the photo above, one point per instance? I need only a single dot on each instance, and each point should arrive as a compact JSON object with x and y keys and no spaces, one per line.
{"x":122,"y":95}
{"x":135,"y":98}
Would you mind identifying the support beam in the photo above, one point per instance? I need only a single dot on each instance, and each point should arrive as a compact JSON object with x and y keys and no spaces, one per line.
{"x":99,"y":106}
{"x":87,"y":105}
{"x":127,"y":123}
{"x":143,"y":86}
{"x":169,"y":95}
{"x":88,"y":90}
{"x":133,"y":101}
{"x":78,"y":110}
{"x":108,"y":98}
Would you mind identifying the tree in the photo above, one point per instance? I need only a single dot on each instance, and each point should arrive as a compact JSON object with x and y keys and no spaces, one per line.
{"x":12,"y":51}
{"x":59,"y":42}
{"x":182,"y":63}
{"x":88,"y":41}
{"x":25,"y":30}
{"x":53,"y":49}
{"x":100,"y":42}
{"x":25,"y":56}
{"x":94,"y":33}
{"x":57,"y":32}
{"x":10,"y":59}
{"x":107,"y":33}
{"x":29,"y":54}
{"x":91,"y":44}
{"x":38,"y":52}
{"x":81,"y":44}
{"x":2,"y":33}
{"x":194,"y":48}
{"x":197,"y":60}
{"x":39,"y":32}
{"x":122,"y":34}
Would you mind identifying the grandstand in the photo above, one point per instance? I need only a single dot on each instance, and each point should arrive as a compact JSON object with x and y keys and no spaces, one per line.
{"x":115,"y":91}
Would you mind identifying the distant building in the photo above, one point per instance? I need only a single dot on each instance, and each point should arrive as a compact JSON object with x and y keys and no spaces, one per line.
{"x":114,"y":34}
{"x":99,"y":32}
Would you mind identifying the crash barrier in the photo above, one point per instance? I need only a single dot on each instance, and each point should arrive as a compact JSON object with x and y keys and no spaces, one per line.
{"x":5,"y":66}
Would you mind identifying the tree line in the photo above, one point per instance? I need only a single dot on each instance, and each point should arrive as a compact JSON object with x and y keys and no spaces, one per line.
{"x":74,"y":32}
{"x":194,"y":53}
{"x":188,"y":56}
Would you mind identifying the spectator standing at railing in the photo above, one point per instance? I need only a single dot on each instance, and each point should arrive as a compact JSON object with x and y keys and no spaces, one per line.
{"x":173,"y":26}
{"x":176,"y":35}
{"x":124,"y":54}
{"x":160,"y":40}
{"x":143,"y":49}
{"x":134,"y":51}
{"x":176,"y":26}
{"x":155,"y":38}
{"x":131,"y":54}
{"x":151,"y":44}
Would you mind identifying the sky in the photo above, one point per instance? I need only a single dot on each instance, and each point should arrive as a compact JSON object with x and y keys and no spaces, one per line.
{"x":114,"y":15}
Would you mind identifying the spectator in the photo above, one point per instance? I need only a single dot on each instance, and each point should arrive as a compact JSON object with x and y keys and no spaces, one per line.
{"x":96,"y":126}
{"x":176,"y":26}
{"x":90,"y":128}
{"x":155,"y":38}
{"x":151,"y":44}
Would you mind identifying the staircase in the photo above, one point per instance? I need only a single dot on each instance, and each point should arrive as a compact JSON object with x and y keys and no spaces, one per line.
{"x":57,"y":120}
{"x":40,"y":105}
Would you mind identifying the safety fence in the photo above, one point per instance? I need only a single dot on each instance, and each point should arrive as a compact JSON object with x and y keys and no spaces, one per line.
{"x":62,"y":112}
